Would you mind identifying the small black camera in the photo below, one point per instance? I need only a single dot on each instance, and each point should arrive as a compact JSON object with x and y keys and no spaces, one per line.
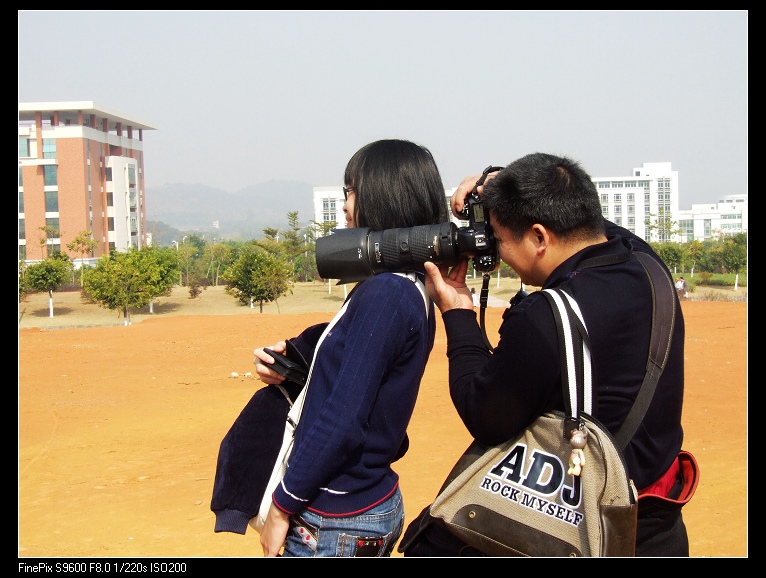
{"x":355,"y":254}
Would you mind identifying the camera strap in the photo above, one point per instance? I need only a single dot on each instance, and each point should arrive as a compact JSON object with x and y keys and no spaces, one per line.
{"x":483,"y":298}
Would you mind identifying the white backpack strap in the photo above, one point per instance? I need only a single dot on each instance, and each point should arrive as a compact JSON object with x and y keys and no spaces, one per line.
{"x":419,"y":284}
{"x":297,"y":407}
{"x":571,"y":327}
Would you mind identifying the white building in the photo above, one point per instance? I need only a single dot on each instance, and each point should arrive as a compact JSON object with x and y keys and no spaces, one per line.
{"x":641,"y":203}
{"x":725,"y":218}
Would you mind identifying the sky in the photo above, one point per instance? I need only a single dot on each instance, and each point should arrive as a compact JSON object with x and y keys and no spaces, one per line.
{"x":241,"y":98}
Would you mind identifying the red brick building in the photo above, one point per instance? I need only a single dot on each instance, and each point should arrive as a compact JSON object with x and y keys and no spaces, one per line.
{"x":81,"y":168}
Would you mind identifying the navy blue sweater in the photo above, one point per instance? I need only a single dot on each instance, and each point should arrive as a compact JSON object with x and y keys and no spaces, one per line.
{"x":360,"y":399}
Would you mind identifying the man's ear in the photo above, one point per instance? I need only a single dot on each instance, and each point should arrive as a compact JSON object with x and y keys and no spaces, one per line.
{"x":542,"y":236}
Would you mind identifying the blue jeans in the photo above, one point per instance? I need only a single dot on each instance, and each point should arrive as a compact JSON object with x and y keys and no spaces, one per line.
{"x":372,"y":533}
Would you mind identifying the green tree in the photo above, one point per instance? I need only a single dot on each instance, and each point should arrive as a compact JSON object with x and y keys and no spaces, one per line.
{"x":322,"y":229}
{"x":293,"y":238}
{"x":161,"y":267}
{"x":670,"y":253}
{"x":218,"y":256}
{"x":712,"y":259}
{"x":662,"y":225}
{"x":23,"y":283}
{"x":46,"y":232}
{"x":734,"y":257}
{"x":48,"y":275}
{"x":694,"y":249}
{"x":83,"y":244}
{"x":258,"y":276}
{"x":120,"y":281}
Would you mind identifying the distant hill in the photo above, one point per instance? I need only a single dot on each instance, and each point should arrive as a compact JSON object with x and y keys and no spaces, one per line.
{"x":240,"y":215}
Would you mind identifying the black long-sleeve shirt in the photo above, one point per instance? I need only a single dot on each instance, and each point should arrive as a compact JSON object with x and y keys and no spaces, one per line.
{"x":499,"y":393}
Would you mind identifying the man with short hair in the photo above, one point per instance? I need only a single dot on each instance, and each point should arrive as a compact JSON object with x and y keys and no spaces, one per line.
{"x":546,"y":218}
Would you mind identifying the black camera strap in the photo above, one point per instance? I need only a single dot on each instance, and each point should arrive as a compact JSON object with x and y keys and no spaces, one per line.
{"x":483,"y":298}
{"x":484,"y":294}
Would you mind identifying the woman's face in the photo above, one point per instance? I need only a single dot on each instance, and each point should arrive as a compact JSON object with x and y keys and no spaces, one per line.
{"x":348,"y":206}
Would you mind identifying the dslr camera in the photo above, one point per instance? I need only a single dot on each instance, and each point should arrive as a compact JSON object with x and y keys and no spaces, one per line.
{"x":352,"y":255}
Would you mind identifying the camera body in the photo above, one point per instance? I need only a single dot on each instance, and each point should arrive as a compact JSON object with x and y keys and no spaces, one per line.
{"x":355,"y":254}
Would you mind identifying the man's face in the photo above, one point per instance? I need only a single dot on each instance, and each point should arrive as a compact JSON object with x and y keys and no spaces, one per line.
{"x":519,"y":255}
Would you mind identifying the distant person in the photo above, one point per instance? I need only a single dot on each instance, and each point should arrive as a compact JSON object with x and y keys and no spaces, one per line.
{"x":681,"y":288}
{"x":546,"y":218}
{"x":340,"y":496}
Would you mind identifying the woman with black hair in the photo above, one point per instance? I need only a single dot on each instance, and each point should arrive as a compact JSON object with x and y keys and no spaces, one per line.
{"x":340,"y":495}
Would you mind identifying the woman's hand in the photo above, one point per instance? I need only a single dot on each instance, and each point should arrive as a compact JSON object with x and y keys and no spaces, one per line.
{"x":263,"y":362}
{"x":274,"y":531}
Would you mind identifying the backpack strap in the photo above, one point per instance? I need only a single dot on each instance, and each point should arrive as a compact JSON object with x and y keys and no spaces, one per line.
{"x":415,"y":278}
{"x":663,"y":322}
{"x":576,"y":365}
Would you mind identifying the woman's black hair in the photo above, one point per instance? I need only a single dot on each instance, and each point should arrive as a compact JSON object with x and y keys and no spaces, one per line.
{"x":396,"y":184}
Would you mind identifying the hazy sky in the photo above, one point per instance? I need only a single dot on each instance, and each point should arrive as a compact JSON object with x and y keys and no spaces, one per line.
{"x":244,"y":97}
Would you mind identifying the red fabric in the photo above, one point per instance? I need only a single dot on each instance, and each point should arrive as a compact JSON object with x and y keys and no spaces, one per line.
{"x":687,"y":466}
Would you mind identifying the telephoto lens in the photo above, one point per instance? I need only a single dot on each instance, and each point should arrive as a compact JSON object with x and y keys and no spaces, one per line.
{"x":352,"y":255}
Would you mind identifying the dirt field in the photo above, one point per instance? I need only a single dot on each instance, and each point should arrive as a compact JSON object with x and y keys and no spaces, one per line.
{"x":119,"y":426}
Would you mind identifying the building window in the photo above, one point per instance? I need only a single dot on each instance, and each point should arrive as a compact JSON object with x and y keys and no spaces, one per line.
{"x":605,"y":199}
{"x":618,"y":221}
{"x":49,"y":148}
{"x":631,"y":221}
{"x":54,"y":248}
{"x":51,"y":201}
{"x":108,"y":173}
{"x":23,"y":146}
{"x":22,"y":252}
{"x":605,"y":211}
{"x":617,"y":198}
{"x":110,"y":199}
{"x":112,"y":246}
{"x":110,"y":224}
{"x":53,"y":228}
{"x":329,"y":213}
{"x":22,"y":229}
{"x":21,"y":202}
{"x":21,"y":182}
{"x":51,"y":175}
{"x":631,"y":197}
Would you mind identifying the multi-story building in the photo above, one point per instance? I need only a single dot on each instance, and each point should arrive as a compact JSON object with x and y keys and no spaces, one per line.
{"x":645,"y":203}
{"x":722,"y":219}
{"x":81,"y":168}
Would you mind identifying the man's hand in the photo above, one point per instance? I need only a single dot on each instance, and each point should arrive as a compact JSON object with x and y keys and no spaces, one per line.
{"x":457,"y":200}
{"x":448,"y":290}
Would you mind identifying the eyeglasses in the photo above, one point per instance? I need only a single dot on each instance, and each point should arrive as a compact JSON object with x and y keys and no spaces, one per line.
{"x":346,"y":191}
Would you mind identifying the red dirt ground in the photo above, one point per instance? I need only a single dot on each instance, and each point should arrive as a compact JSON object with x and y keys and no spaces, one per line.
{"x":119,"y":429}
